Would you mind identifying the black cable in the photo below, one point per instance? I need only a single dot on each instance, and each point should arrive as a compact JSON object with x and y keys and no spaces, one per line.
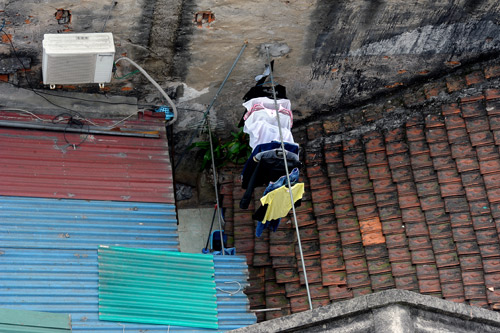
{"x":113,"y":5}
{"x":72,"y":123}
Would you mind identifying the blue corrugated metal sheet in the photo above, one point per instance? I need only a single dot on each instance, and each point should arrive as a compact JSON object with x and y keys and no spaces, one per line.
{"x":20,"y":321}
{"x":43,"y":269}
{"x":85,"y":224}
{"x":157,"y":287}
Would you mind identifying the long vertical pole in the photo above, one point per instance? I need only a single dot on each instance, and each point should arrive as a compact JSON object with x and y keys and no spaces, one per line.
{"x":288,"y":182}
{"x":214,"y":171}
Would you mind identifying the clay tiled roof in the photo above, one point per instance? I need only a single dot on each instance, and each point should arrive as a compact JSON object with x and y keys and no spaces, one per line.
{"x":412,"y":205}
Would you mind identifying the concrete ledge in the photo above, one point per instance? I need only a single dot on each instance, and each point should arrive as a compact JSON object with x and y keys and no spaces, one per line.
{"x":387,"y":311}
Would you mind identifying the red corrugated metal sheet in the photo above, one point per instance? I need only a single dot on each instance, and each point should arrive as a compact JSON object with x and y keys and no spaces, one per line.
{"x":39,"y":163}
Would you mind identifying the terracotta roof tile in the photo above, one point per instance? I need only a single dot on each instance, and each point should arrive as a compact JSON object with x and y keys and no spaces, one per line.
{"x":475,"y":292}
{"x":313,"y":276}
{"x":377,"y":251}
{"x":491,"y":265}
{"x":403,"y":268}
{"x":494,"y":123}
{"x":332,"y":264}
{"x":350,"y":237}
{"x":317,"y":171}
{"x":431,"y":202}
{"x":352,"y":145}
{"x":491,"y":166}
{"x":338,"y":293}
{"x":367,"y":211}
{"x":457,"y":135}
{"x":358,"y":280}
{"x":375,"y":145}
{"x":356,"y":265}
{"x":443,"y":245}
{"x":442,"y":230}
{"x":468,"y":164}
{"x":442,"y":163}
{"x":467,"y":247}
{"x":454,"y":121}
{"x":462,"y":234}
{"x":414,"y":214}
{"x":386,"y":199}
{"x":331,"y":250}
{"x":452,"y":274}
{"x":483,"y":222}
{"x":339,"y":183}
{"x":473,"y":109}
{"x":373,"y":238}
{"x":356,"y":292}
{"x":419,"y":243}
{"x":396,"y":241}
{"x":422,"y":257}
{"x":452,"y":189}
{"x":439,"y":149}
{"x":313,"y":157}
{"x":426,"y":174}
{"x":456,"y":204}
{"x":451,"y":290}
{"x":474,"y":78}
{"x":353,"y":251}
{"x":328,"y":236}
{"x":384,"y":185}
{"x":479,"y":207}
{"x":477,"y":124}
{"x":462,"y":150}
{"x":450,"y":109}
{"x":401,"y":174}
{"x":346,"y":224}
{"x":399,"y":254}
{"x":319,"y":182}
{"x":408,"y":201}
{"x":399,"y":160}
{"x":376,"y":158}
{"x":435,"y":216}
{"x":360,"y":185}
{"x":471,"y":278}
{"x":415,"y":133}
{"x":487,"y":152}
{"x":447,"y":259}
{"x":475,"y":192}
{"x":389,"y":212}
{"x":299,"y":303}
{"x":323,"y":208}
{"x":429,"y":187}
{"x":354,"y":158}
{"x":363,"y":198}
{"x":495,"y":210}
{"x":322,"y":195}
{"x":406,"y":188}
{"x":490,"y":250}
{"x":482,"y":138}
{"x":334,"y":278}
{"x":460,"y":219}
{"x":396,"y":147}
{"x":408,"y":282}
{"x":436,"y":134}
{"x":393,"y":227}
{"x":382,"y":281}
{"x":429,"y":286}
{"x":472,"y":262}
{"x":395,"y":135}
{"x":472,"y":178}
{"x":284,"y":275}
{"x":486,"y":236}
{"x":418,"y":147}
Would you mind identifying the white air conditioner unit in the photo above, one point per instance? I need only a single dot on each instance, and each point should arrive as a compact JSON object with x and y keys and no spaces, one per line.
{"x":77,"y":58}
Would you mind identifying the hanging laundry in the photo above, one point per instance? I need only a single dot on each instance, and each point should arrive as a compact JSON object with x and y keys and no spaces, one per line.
{"x":262,"y":131}
{"x":250,"y":164}
{"x":264,"y":108}
{"x":279,"y":201}
{"x":270,"y":166}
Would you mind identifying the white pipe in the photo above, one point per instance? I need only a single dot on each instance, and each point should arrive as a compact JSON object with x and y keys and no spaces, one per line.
{"x":160,"y":89}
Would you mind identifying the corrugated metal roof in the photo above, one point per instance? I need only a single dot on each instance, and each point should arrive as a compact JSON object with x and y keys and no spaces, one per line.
{"x":156,"y":287}
{"x":21,"y":321}
{"x":39,"y":163}
{"x":81,"y":224}
{"x":42,"y":269}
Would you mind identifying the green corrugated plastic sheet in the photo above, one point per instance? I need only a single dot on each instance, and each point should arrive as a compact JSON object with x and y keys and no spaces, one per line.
{"x":22,"y":321}
{"x":157,"y":287}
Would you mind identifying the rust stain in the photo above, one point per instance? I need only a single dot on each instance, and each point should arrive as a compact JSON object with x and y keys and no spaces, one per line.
{"x":126,"y":88}
{"x":402,"y":71}
{"x":27,"y":21}
{"x":452,"y":63}
{"x":394,"y":85}
{"x":424,"y":72}
{"x":6,"y":38}
{"x":4,"y":77}
{"x":334,"y":70}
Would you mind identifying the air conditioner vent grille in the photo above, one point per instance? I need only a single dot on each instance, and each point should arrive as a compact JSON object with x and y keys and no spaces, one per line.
{"x":76,"y":69}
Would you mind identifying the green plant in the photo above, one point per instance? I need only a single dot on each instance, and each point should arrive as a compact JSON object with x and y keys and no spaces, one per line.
{"x":236,"y":150}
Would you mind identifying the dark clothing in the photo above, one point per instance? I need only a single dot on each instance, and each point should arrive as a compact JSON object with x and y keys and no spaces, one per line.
{"x":266,"y":170}
{"x":250,"y":164}
{"x":262,"y":91}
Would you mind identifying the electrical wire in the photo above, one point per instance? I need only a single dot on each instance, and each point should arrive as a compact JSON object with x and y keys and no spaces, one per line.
{"x":113,"y":5}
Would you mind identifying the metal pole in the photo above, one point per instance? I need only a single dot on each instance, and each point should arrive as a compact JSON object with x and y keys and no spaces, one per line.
{"x":214,"y":172}
{"x":288,"y":182}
